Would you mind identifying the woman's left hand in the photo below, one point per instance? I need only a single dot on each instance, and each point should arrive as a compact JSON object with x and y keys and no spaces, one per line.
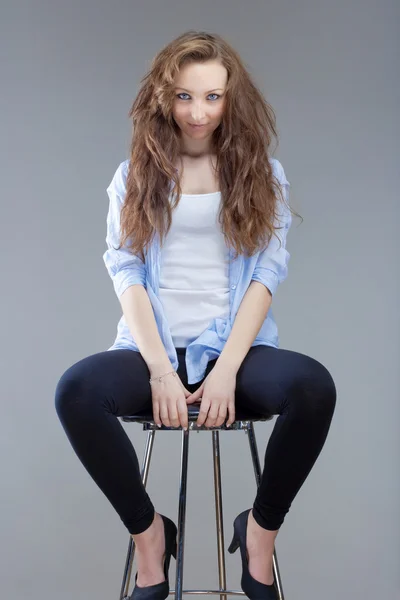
{"x":217,"y":394}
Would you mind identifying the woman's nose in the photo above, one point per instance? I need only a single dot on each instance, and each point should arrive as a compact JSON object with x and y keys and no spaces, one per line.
{"x":197,"y":112}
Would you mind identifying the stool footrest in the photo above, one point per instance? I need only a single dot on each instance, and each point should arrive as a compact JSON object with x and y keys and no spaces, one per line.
{"x":204,"y":592}
{"x":211,"y":592}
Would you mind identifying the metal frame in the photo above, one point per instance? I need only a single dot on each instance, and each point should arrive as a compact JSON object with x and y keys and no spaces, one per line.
{"x":222,"y":592}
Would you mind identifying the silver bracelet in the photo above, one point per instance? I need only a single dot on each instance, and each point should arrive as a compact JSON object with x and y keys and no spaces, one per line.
{"x":159,"y":376}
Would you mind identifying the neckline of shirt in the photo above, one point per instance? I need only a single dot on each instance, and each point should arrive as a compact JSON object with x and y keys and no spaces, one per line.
{"x":207,"y":194}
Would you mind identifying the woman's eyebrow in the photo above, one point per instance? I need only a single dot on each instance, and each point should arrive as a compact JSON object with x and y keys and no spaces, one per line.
{"x":214,"y":90}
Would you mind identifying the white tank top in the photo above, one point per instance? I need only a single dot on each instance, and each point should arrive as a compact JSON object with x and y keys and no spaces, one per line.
{"x":194,"y":268}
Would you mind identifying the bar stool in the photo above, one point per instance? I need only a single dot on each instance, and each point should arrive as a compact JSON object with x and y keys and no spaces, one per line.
{"x":244,"y":419}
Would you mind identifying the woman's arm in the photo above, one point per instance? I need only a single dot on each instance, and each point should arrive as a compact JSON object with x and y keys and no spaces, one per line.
{"x":139,"y":316}
{"x":270,"y":270}
{"x":128,"y":274}
{"x":250,"y":316}
{"x":272,"y":265}
{"x":124,"y":268}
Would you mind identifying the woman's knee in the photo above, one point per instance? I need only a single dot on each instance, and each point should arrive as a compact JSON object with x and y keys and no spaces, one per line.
{"x":76,"y":389}
{"x":314,"y":392}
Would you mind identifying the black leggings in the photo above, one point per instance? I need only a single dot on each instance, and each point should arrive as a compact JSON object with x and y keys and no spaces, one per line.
{"x":95,"y":391}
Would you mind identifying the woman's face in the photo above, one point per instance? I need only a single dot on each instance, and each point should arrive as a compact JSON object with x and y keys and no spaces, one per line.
{"x":199,"y":99}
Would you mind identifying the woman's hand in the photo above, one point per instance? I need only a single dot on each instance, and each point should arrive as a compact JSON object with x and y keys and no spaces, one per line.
{"x":169,"y":401}
{"x":217,"y":394}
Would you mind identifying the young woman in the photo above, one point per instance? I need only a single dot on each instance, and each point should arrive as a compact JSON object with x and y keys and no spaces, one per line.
{"x":196,"y":237}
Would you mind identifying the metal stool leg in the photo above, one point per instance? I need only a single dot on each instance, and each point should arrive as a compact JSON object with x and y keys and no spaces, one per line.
{"x":257,"y":472}
{"x":218,"y":513}
{"x":182,"y":515}
{"x":131,"y":547}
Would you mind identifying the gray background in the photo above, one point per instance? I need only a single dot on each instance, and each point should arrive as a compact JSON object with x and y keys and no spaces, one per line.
{"x":70,"y":71}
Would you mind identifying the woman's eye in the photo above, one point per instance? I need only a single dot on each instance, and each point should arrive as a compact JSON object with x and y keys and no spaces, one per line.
{"x":184,"y":94}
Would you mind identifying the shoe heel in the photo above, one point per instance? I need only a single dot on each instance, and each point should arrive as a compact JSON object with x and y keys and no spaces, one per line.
{"x":174,"y":549}
{"x":234,"y":545}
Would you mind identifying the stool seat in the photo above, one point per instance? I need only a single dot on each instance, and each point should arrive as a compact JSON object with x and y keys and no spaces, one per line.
{"x":242,"y":415}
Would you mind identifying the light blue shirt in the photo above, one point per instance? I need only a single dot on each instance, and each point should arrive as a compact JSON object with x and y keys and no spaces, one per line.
{"x":268,"y":266}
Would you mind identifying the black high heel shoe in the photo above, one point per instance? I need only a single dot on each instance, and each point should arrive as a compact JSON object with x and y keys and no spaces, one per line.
{"x":160,"y":591}
{"x":254,"y":590}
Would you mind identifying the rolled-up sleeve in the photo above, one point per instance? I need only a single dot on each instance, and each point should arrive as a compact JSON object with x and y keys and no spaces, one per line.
{"x":124,"y":268}
{"x":272,"y":264}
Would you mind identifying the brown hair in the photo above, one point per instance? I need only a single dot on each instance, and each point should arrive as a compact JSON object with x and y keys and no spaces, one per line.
{"x":241,"y":142}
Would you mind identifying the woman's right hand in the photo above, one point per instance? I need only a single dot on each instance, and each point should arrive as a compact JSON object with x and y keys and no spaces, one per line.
{"x":169,"y":401}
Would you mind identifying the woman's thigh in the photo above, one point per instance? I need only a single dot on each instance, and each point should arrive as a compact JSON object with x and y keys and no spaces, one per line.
{"x":116,"y":379}
{"x":271,"y":380}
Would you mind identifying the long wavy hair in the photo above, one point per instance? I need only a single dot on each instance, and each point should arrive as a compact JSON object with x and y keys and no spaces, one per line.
{"x":241,"y":144}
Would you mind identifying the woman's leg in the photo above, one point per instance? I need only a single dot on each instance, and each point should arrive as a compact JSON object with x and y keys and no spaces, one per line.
{"x":302,"y":392}
{"x":89,"y":397}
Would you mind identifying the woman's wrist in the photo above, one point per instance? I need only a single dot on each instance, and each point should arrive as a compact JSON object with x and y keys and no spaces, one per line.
{"x":160,"y":377}
{"x":159,"y":367}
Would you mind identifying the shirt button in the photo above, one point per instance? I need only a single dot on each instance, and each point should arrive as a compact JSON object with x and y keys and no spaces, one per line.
{"x":233,"y":287}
